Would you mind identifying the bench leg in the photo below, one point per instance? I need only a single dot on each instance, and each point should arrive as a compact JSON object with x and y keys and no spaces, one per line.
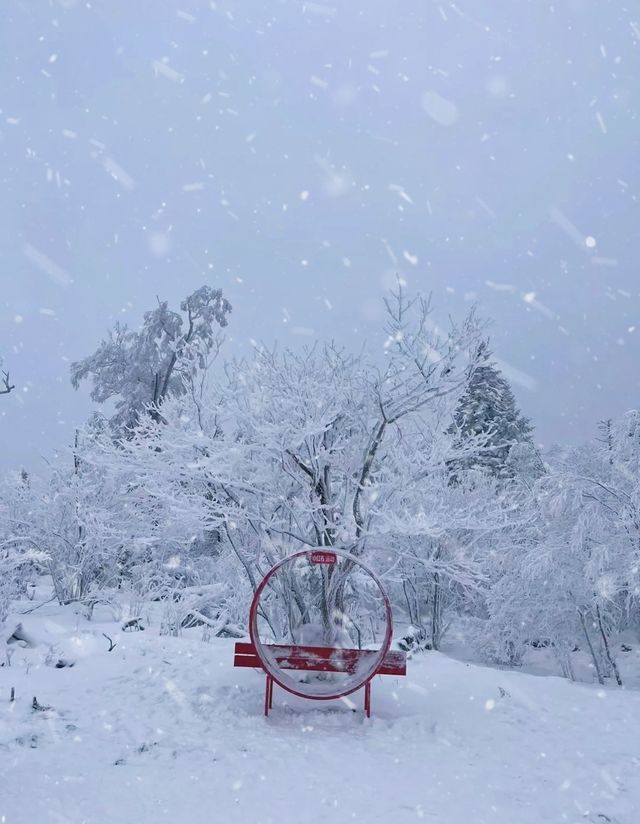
{"x":271,"y":694}
{"x":367,"y":699}
{"x":267,"y":694}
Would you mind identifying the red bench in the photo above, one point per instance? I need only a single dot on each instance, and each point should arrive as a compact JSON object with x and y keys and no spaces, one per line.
{"x":318,"y":659}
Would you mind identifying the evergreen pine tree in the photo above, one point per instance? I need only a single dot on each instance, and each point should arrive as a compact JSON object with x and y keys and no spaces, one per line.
{"x":488,"y":409}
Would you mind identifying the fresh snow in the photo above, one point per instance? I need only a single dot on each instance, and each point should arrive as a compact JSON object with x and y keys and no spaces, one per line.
{"x":164,"y":729}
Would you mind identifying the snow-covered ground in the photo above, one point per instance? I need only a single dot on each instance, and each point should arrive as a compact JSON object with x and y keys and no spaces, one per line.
{"x":164,"y":729}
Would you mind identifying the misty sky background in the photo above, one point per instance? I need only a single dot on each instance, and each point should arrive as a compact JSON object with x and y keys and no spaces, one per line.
{"x":299,"y":155}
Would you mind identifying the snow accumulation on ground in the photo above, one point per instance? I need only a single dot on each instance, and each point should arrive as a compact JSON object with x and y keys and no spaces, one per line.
{"x":164,"y":729}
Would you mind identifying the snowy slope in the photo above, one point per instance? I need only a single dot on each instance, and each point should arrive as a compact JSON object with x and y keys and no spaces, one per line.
{"x":164,"y":729}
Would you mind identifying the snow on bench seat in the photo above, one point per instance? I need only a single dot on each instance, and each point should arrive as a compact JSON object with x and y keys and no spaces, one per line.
{"x":319,"y":659}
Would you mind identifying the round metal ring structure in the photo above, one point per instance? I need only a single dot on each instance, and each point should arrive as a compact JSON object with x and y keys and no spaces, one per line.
{"x":321,"y":555}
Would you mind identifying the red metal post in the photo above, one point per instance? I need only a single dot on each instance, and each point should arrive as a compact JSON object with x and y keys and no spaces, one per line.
{"x":367,"y":699}
{"x":271,"y":694}
{"x":267,"y":695}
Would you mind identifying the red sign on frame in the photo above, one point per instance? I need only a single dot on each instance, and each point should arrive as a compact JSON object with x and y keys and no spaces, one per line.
{"x":319,"y":557}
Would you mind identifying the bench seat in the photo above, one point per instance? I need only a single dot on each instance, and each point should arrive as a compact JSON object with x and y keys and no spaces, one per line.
{"x":318,"y":659}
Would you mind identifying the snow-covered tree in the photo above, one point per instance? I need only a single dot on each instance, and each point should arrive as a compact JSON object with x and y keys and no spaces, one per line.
{"x":325,"y":423}
{"x":140,"y":369}
{"x":440,"y":535}
{"x":488,"y":407}
{"x":529,"y":599}
{"x":610,"y":488}
{"x":73,"y":520}
{"x":20,"y":556}
{"x":571,"y":578}
{"x":293,"y":449}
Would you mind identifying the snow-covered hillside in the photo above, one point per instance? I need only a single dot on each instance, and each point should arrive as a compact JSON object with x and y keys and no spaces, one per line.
{"x":163,"y":729}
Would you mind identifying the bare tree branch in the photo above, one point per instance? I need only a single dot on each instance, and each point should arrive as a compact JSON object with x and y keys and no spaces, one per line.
{"x":8,"y":386}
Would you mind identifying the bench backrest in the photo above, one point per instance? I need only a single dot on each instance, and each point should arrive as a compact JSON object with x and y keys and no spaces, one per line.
{"x":319,"y":659}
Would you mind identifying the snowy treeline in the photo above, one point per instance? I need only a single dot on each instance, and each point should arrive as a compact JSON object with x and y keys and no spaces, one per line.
{"x":209,"y":470}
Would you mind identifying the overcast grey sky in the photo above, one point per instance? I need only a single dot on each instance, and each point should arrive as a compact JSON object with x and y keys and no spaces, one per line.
{"x":299,"y":154}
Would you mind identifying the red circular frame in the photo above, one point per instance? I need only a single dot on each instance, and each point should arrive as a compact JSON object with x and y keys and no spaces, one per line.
{"x":275,"y":672}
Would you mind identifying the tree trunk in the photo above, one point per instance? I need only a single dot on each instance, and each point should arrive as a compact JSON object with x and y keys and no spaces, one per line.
{"x":607,"y":650}
{"x":594,"y":658}
{"x":564,"y":659}
{"x":436,"y":613}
